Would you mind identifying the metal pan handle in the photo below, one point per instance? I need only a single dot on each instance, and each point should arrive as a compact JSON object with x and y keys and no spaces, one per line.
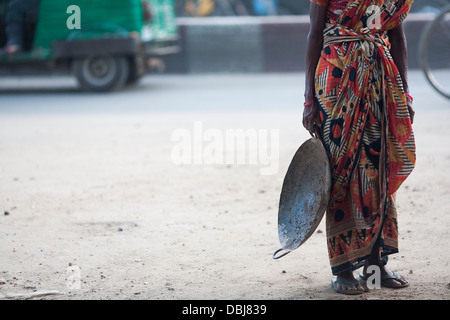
{"x":274,"y":255}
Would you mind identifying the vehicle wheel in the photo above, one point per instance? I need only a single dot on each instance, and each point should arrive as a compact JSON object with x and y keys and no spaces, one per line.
{"x":101,"y":73}
{"x":433,"y":53}
{"x":428,"y":6}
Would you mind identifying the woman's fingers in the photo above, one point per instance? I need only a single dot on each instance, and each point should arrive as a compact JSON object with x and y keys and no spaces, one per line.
{"x":310,"y":118}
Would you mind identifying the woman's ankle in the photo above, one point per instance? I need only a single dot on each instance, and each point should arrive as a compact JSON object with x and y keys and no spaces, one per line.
{"x":347,"y":274}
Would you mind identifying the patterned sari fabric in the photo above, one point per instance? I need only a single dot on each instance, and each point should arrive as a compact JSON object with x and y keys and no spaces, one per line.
{"x":365,"y":127}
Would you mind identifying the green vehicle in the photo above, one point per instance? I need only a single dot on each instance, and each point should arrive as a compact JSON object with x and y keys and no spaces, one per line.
{"x":104,"y":43}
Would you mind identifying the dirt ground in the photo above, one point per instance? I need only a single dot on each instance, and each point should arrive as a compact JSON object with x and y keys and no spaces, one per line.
{"x":100,"y":194}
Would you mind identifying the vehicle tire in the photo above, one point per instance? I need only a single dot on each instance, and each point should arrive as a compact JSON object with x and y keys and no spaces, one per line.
{"x":434,"y":46}
{"x":101,"y":73}
{"x":428,"y":6}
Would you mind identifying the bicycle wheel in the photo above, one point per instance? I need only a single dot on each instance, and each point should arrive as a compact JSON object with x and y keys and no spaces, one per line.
{"x":435,"y":52}
{"x":428,"y":6}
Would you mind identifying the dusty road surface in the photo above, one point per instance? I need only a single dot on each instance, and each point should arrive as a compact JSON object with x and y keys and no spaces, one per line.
{"x":96,"y":205}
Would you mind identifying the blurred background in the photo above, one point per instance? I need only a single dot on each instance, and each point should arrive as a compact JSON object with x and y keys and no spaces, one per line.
{"x":202,"y":8}
{"x":90,"y":97}
{"x":119,"y":41}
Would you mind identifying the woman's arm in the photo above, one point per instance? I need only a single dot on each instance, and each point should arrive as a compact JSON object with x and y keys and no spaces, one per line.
{"x":399,"y":53}
{"x":314,"y":45}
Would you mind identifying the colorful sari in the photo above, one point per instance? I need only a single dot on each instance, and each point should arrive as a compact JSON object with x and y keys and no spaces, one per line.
{"x":365,"y":127}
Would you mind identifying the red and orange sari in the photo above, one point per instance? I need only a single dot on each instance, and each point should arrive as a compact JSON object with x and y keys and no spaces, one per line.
{"x":365,"y":127}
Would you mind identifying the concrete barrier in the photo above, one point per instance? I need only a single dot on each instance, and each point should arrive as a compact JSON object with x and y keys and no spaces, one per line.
{"x":258,"y":44}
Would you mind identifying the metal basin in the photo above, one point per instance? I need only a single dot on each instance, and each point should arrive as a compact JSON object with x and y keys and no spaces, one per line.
{"x":304,"y":196}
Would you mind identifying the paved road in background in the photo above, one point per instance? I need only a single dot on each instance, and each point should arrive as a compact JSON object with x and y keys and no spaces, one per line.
{"x":179,"y":93}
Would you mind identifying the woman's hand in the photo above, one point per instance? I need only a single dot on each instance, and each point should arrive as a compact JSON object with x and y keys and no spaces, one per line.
{"x":311,"y":117}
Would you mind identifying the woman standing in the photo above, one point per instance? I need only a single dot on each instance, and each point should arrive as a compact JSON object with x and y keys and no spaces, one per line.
{"x":357,"y":99}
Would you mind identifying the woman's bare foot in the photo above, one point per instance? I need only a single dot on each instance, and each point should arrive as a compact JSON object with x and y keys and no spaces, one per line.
{"x":346,"y":283}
